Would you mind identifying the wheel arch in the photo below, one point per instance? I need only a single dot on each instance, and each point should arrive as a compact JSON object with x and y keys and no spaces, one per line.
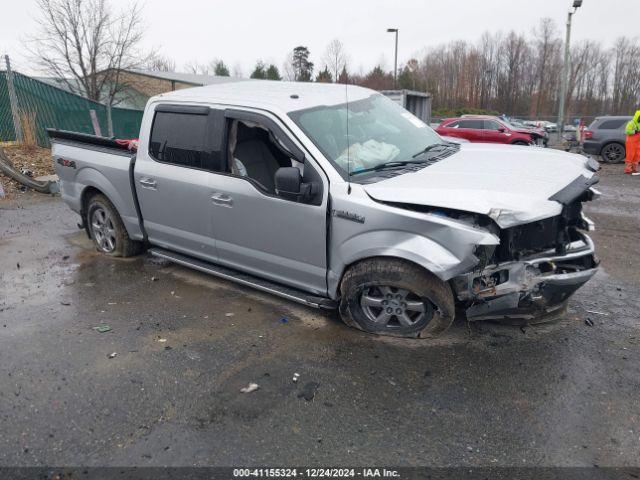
{"x":94,"y":182}
{"x":405,"y":275}
{"x":417,"y":250}
{"x":87,"y":193}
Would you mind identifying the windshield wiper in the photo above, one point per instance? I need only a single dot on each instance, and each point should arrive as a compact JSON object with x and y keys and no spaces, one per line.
{"x":428,"y":148}
{"x":384,"y":166}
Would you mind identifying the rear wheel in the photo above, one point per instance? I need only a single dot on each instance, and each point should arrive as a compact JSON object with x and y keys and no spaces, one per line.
{"x":107,"y":230}
{"x":613,"y":153}
{"x":394,"y":297}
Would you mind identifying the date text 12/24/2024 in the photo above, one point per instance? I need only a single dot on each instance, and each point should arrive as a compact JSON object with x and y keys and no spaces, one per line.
{"x":314,"y":473}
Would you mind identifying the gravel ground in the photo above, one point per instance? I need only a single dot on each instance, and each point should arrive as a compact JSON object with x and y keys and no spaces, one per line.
{"x":563,"y":394}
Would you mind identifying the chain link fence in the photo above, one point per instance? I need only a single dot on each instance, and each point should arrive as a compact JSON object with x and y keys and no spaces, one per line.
{"x":43,"y":106}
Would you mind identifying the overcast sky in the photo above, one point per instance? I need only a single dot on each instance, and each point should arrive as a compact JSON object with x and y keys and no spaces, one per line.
{"x":241,"y":31}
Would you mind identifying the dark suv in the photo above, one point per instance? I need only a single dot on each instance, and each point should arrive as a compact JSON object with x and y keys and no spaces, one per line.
{"x":606,"y":137}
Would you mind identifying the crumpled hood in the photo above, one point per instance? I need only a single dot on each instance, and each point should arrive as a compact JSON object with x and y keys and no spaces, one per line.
{"x":512,"y":184}
{"x":535,"y":131}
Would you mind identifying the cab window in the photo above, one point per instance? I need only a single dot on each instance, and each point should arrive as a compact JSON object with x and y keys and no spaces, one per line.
{"x":255,"y":153}
{"x":186,"y":139}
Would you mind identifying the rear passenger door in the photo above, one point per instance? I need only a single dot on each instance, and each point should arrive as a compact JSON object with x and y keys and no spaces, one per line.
{"x":470,"y":129}
{"x":173,"y":178}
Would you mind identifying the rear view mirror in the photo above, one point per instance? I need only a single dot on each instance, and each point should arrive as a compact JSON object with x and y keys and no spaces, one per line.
{"x":502,"y":129}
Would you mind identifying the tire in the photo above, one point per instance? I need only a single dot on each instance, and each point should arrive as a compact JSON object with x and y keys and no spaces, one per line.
{"x":367,"y":285}
{"x":520,"y":142}
{"x":613,"y":153}
{"x":107,"y":230}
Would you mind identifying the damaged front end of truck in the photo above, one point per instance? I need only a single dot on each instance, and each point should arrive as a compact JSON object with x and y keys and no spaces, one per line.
{"x":536,"y":267}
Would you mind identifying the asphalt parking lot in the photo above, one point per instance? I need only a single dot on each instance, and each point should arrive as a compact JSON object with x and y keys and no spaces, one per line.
{"x":481,"y":395}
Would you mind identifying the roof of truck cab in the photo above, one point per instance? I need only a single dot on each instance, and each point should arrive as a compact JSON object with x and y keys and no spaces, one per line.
{"x":284,"y":96}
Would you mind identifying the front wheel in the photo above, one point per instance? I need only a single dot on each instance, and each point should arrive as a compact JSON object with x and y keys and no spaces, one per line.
{"x":520,"y":142}
{"x":394,"y":297}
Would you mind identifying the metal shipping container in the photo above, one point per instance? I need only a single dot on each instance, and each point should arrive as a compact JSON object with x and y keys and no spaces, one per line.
{"x":418,"y":103}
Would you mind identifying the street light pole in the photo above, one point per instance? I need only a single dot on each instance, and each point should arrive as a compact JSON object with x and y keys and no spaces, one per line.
{"x":564,"y":81}
{"x":395,"y":60}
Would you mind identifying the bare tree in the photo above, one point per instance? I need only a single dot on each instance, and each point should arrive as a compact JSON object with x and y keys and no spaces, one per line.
{"x":197,"y":68}
{"x":214,"y":67}
{"x":237,"y":70}
{"x":84,"y":44}
{"x":547,"y":44}
{"x":335,"y":58}
{"x":288,"y":68}
{"x":159,"y":63}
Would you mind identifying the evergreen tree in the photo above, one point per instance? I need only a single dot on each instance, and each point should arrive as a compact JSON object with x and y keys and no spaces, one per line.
{"x":220,"y":69}
{"x":324,"y":76}
{"x":259,"y":71}
{"x":302,"y":67}
{"x":273,"y":73}
{"x":344,"y":76}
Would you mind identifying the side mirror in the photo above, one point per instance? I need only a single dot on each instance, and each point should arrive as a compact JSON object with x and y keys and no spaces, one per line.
{"x":288,"y":182}
{"x":502,"y":129}
{"x":289,"y":185}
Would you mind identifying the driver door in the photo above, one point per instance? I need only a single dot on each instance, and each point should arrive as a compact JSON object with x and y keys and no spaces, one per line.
{"x":256,"y":230}
{"x":495,"y":132}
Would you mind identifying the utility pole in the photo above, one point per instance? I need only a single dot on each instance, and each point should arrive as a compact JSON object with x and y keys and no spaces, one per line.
{"x":395,"y":60}
{"x":564,"y":81}
{"x":13,"y":100}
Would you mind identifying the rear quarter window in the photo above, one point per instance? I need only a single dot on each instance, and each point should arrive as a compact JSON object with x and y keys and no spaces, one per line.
{"x":612,"y":124}
{"x":473,"y":124}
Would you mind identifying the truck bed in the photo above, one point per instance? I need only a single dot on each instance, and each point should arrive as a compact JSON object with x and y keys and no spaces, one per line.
{"x":86,"y":163}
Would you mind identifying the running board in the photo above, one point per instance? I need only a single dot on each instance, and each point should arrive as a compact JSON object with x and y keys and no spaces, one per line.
{"x":245,"y":279}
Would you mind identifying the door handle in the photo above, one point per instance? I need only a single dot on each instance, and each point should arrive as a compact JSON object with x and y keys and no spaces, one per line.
{"x":149,"y":183}
{"x":222,"y":199}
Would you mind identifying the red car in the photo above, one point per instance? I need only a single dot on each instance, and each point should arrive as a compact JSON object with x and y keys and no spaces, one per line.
{"x":486,"y":130}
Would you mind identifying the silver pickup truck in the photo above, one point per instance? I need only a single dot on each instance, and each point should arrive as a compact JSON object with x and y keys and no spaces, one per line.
{"x":336,"y":197}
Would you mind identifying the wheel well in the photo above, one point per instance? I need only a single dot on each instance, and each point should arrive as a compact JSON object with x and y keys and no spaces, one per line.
{"x":87,"y":194}
{"x":610,"y":142}
{"x":381,"y":257}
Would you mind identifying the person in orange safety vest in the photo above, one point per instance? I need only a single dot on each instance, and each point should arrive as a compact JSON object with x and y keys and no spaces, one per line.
{"x":633,"y":144}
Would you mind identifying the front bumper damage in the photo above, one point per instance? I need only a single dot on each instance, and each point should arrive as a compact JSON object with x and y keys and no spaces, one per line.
{"x":529,"y":288}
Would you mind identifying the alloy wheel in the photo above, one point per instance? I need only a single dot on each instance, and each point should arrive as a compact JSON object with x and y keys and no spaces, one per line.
{"x":613,"y":153}
{"x":103,"y":230}
{"x":392,"y":308}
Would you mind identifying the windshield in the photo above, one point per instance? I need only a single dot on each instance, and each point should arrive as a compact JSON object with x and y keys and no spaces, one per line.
{"x":380,"y":132}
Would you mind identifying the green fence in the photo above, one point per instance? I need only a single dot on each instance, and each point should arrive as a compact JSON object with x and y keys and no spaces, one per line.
{"x":56,"y":108}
